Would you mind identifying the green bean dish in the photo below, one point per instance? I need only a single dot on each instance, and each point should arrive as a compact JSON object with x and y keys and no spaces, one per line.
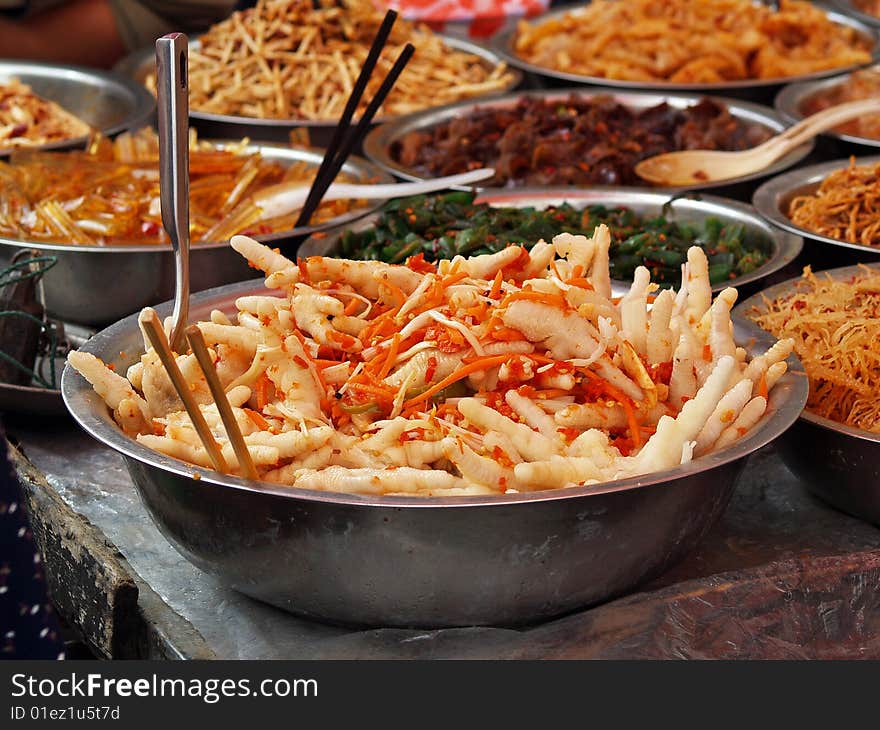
{"x":451,"y":224}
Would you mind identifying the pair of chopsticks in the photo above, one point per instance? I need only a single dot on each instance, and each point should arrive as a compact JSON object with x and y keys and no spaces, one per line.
{"x":156,"y":334}
{"x":345,"y":139}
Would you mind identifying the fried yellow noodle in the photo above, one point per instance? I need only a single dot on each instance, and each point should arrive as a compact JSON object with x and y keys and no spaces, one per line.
{"x":109,"y":193}
{"x":845,"y":206}
{"x":688,"y":42}
{"x":506,"y":372}
{"x":836,"y":330}
{"x":287,"y":59}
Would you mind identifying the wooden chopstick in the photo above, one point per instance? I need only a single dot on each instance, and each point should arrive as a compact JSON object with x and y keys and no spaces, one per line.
{"x":357,"y":91}
{"x":360,"y":131}
{"x":344,"y":141}
{"x":156,"y":335}
{"x":200,"y":350}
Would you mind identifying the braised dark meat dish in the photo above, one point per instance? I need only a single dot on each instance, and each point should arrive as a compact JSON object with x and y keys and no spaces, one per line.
{"x":577,"y":141}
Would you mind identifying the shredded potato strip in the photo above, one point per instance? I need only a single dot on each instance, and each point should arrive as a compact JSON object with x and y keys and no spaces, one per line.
{"x":247,"y":66}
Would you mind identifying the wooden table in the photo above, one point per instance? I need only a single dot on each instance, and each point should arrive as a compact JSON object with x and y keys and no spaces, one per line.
{"x":780,"y":576}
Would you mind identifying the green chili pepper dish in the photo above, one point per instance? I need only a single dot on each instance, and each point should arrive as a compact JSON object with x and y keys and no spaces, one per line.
{"x":451,"y":224}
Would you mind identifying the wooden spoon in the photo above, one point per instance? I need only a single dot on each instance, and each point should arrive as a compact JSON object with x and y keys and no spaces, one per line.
{"x":691,"y":167}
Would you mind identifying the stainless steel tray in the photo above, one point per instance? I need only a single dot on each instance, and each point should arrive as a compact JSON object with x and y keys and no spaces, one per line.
{"x":503,"y":45}
{"x":378,"y":143}
{"x":96,"y":285}
{"x":107,"y":102}
{"x":838,"y":463}
{"x":773,"y":197}
{"x":785,"y":249}
{"x":790,"y":100}
{"x":141,"y":63}
{"x":409,"y":561}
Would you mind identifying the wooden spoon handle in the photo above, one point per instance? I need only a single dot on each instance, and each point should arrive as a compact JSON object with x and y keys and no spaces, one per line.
{"x":816,"y":123}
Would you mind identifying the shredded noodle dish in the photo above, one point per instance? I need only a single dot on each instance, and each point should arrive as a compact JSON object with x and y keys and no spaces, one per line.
{"x":686,"y":42}
{"x":298,"y":59}
{"x":845,"y":206}
{"x":835,"y":326}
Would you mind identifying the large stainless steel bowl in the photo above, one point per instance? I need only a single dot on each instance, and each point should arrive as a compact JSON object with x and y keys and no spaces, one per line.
{"x":756,"y":89}
{"x":784,"y":246}
{"x":772,"y":200}
{"x":140,"y":64}
{"x":791,"y":99}
{"x":108,"y":103}
{"x":96,"y":285}
{"x":398,"y":561}
{"x":839,"y":464}
{"x":379,"y":143}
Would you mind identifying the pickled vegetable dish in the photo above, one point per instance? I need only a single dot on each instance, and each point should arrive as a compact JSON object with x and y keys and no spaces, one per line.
{"x":444,"y":226}
{"x":109,"y":193}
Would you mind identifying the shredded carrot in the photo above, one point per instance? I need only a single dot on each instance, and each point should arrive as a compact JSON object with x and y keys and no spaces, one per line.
{"x":262,"y":390}
{"x":380,"y":392}
{"x":451,"y":278}
{"x":483,"y":363}
{"x":351,"y":307}
{"x":392,"y":356}
{"x":506,"y":334}
{"x":625,"y":401}
{"x":495,"y":291}
{"x":340,"y":338}
{"x":303,"y":270}
{"x":543,"y":359}
{"x":430,"y":369}
{"x":553,"y":300}
{"x":258,"y":420}
{"x":580,"y":282}
{"x":397,"y":293}
{"x":707,"y":353}
{"x":418,"y":263}
{"x":762,"y":386}
{"x":577,"y":272}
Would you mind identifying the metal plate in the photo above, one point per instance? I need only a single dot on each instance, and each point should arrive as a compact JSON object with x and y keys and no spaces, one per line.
{"x":96,"y":285}
{"x":503,"y":45}
{"x":378,"y":143}
{"x":141,"y":63}
{"x":847,"y":7}
{"x":790,"y":101}
{"x":106,"y":102}
{"x":786,"y":246}
{"x":838,"y":463}
{"x":773,"y":197}
{"x":503,"y":559}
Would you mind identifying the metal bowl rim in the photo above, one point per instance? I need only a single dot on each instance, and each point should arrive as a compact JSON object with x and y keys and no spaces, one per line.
{"x":502,"y":44}
{"x":789,"y":99}
{"x":83,"y":404}
{"x":280,"y":152}
{"x":764,"y":198}
{"x":786,"y":245}
{"x":847,"y":8}
{"x":130,"y":65}
{"x":144,"y":101}
{"x":789,"y":286}
{"x":377,"y":144}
